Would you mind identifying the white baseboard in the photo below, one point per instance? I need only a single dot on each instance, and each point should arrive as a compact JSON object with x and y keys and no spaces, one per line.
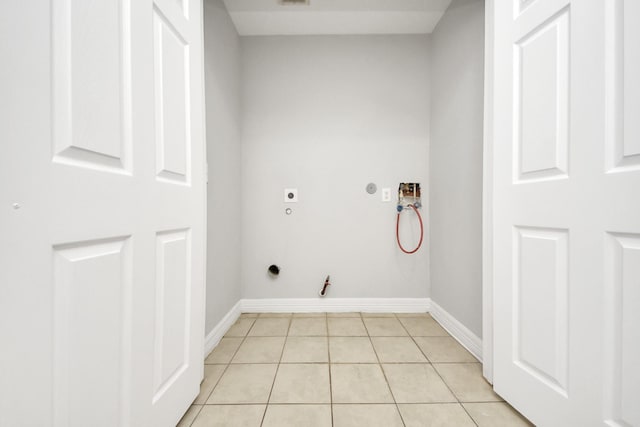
{"x":339,"y":305}
{"x":216,"y":334}
{"x":457,"y":330}
{"x":335,"y":305}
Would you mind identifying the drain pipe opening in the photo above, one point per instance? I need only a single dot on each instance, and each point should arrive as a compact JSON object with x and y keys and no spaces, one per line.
{"x":274,"y":270}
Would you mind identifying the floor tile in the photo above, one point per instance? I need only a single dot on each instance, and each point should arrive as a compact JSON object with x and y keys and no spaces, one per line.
{"x":444,"y":349}
{"x":240,"y":328}
{"x":351,"y":350}
{"x":322,"y":315}
{"x":366,"y":415}
{"x":230,"y":416}
{"x":435,"y":415}
{"x":466,"y":381}
{"x":346,"y":327}
{"x":212,"y":374}
{"x":397,"y":349}
{"x":353,"y":383}
{"x":298,"y":416}
{"x":189,"y":416}
{"x":416,"y":383}
{"x":260,"y":350}
{"x":301,"y":383}
{"x":378,"y":314}
{"x":270,"y":327}
{"x":224,"y":351}
{"x":244,"y":384}
{"x":308,"y":327}
{"x":384,"y":327}
{"x":496,"y":414}
{"x":423,"y":327}
{"x":306,"y":350}
{"x":301,"y":389}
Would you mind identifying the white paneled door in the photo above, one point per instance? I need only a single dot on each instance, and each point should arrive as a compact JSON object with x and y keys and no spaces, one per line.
{"x":566,"y":212}
{"x":102,"y":212}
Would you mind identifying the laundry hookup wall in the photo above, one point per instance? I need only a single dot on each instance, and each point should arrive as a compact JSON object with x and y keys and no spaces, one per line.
{"x":326,"y":115}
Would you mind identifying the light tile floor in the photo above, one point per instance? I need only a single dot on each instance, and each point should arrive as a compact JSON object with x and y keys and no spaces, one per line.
{"x":344,"y":370}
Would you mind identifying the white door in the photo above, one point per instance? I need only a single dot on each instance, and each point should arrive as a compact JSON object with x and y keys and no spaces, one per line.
{"x":102,"y":212}
{"x":567,"y":210}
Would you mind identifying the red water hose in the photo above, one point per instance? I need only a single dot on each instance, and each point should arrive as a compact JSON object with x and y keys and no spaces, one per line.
{"x":421,"y":232}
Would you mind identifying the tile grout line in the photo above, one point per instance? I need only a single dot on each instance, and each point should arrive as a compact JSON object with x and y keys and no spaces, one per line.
{"x":271,"y":404}
{"x":395,"y":316}
{"x":228,"y":363}
{"x":438,"y":373}
{"x":384,"y":374}
{"x":196,"y":417}
{"x":328,"y":336}
{"x":473,"y":420}
{"x":329,"y":366}
{"x":425,"y":356}
{"x":277,"y":369}
{"x":225,"y":368}
{"x":350,"y":404}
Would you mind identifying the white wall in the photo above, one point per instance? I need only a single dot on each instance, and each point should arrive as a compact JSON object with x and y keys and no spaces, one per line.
{"x":457,"y":47}
{"x":327,"y":115}
{"x":222,"y":87}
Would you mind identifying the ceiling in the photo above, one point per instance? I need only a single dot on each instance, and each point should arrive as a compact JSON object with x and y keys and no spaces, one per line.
{"x":271,"y":17}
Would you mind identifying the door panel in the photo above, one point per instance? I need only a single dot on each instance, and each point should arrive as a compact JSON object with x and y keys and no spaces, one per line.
{"x":630,"y":69}
{"x":91,"y":102}
{"x":172,"y":309}
{"x":178,"y":144}
{"x":171,"y":53}
{"x":541,"y":98}
{"x":92,"y":286}
{"x":623,"y":64}
{"x":566,"y":211}
{"x":540,"y":306}
{"x":101,"y":302}
{"x":622,"y":240}
{"x":622,"y":335}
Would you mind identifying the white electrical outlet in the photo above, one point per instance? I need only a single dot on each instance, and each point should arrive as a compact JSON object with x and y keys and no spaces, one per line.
{"x":290,"y":195}
{"x":386,"y":194}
